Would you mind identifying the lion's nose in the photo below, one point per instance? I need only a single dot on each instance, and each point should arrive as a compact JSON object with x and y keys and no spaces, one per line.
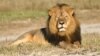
{"x":61,"y":22}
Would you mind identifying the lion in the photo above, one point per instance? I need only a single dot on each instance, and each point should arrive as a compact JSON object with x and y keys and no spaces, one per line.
{"x":62,"y":29}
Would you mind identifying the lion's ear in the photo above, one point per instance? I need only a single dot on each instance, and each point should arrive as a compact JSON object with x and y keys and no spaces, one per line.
{"x":52,"y":11}
{"x":71,"y":11}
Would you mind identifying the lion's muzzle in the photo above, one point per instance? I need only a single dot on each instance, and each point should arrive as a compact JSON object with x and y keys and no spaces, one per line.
{"x":61,"y":26}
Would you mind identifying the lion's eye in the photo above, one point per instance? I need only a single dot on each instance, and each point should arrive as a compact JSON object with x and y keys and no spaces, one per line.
{"x":65,"y":16}
{"x":57,"y":18}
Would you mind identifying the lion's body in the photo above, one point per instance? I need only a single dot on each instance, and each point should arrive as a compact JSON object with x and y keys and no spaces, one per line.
{"x":62,"y":29}
{"x":36,"y":36}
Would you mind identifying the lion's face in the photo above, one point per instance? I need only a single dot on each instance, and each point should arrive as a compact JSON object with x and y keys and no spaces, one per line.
{"x":61,"y":21}
{"x":60,"y":18}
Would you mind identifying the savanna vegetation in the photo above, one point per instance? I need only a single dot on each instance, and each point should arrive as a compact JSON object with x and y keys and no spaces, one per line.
{"x":18,"y":16}
{"x":23,"y":9}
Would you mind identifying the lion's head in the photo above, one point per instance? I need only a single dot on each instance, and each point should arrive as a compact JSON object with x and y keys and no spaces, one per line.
{"x":62,"y":20}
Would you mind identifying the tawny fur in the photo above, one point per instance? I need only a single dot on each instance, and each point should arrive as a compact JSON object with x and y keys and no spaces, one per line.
{"x":51,"y":35}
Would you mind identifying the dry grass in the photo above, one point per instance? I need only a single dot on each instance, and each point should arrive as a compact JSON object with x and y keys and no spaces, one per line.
{"x":91,"y":40}
{"x":25,"y":9}
{"x":90,"y":46}
{"x":36,"y":4}
{"x":88,"y":16}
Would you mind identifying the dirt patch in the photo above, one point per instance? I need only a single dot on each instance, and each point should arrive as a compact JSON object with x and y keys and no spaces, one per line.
{"x":90,"y":28}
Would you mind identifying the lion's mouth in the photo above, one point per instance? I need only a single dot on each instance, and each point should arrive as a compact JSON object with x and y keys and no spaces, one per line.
{"x":61,"y":28}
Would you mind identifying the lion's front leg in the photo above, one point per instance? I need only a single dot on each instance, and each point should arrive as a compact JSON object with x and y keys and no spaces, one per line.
{"x":77,"y":44}
{"x":69,"y":45}
{"x":65,"y":45}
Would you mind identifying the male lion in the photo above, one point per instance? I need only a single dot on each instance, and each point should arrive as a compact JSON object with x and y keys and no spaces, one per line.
{"x":62,"y":29}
